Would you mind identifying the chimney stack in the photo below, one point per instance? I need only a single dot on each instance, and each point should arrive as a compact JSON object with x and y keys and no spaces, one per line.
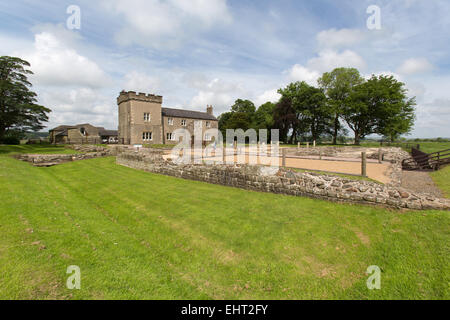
{"x":209,"y":110}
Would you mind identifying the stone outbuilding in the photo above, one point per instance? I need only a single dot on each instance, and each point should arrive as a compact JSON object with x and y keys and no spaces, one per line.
{"x":82,"y":134}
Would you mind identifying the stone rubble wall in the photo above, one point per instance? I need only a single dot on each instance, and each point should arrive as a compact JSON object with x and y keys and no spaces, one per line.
{"x":48,"y":160}
{"x":86,"y":148}
{"x":281,"y":181}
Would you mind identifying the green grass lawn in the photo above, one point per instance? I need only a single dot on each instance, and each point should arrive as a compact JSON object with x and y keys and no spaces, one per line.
{"x":429,"y":147}
{"x":38,"y":149}
{"x":442,"y":180}
{"x":137,"y":235}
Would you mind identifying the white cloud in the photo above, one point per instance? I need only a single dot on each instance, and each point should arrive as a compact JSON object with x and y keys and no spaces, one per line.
{"x":141,"y":82}
{"x":267,"y":96}
{"x":415,"y":66}
{"x":432,"y":117}
{"x":219,"y":93}
{"x":326,"y":61}
{"x":80,"y":105}
{"x":165,"y":24}
{"x":383,"y":73}
{"x":55,"y":64}
{"x":301,"y":73}
{"x":336,"y":38}
{"x":331,"y":59}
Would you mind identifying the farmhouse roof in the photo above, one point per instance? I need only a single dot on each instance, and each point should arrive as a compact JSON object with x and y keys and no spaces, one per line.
{"x":180,"y":113}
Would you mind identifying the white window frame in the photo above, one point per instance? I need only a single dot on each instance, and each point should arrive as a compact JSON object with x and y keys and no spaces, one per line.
{"x":183,"y":123}
{"x":147,"y":136}
{"x":208,"y":124}
{"x":207,"y":137}
{"x":170,"y":136}
{"x":170,"y":121}
{"x":147,"y":117}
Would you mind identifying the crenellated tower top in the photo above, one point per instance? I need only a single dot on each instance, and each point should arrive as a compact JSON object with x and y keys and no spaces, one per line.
{"x":132,"y":95}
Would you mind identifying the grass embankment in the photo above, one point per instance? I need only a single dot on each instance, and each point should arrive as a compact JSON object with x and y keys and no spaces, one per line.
{"x":430,"y":147}
{"x":442,"y":180}
{"x":38,"y":149}
{"x":138,"y":235}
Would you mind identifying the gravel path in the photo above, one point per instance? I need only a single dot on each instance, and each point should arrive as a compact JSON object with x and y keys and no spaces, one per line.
{"x":420,"y":182}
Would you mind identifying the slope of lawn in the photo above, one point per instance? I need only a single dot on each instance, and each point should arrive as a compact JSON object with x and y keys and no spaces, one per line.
{"x":38,"y":149}
{"x":137,"y":235}
{"x":442,"y":180}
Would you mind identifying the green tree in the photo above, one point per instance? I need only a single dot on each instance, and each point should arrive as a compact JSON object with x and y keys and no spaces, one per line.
{"x":263,"y":118}
{"x":18,"y":109}
{"x":338,"y":85}
{"x":285,"y":119}
{"x":244,"y":106}
{"x":241,"y":116}
{"x":239,"y":120}
{"x":379,"y":105}
{"x":223,"y":122}
{"x":312,"y":112}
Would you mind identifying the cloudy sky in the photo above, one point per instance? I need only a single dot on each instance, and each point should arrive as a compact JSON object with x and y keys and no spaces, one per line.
{"x":199,"y":52}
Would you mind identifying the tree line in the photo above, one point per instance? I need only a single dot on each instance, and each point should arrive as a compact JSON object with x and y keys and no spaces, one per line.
{"x":342,"y":99}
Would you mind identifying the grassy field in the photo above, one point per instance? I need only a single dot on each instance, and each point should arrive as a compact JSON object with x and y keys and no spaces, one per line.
{"x":137,"y":235}
{"x":442,"y":180}
{"x":39,"y":149}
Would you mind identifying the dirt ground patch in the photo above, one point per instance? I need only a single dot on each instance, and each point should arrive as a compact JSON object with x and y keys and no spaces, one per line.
{"x":376,"y":171}
{"x":420,"y":182}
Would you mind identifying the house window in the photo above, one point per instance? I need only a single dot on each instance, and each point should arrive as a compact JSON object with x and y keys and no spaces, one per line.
{"x":183,"y":123}
{"x":207,"y":137}
{"x":147,"y":117}
{"x":147,"y":136}
{"x":170,"y":136}
{"x":208,"y":124}
{"x":170,"y":121}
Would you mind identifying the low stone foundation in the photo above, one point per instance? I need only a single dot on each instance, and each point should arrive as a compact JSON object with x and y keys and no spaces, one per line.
{"x":48,"y":160}
{"x":267,"y":179}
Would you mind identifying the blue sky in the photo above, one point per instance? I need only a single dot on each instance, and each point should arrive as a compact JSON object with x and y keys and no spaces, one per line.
{"x":202,"y":52}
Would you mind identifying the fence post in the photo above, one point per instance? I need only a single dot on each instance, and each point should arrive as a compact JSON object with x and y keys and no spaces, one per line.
{"x":363,"y":164}
{"x":298,"y":146}
{"x":307,"y":145}
{"x":320,"y":155}
{"x":284,"y":157}
{"x":314,"y":143}
{"x":224,"y":154}
{"x":380,"y":156}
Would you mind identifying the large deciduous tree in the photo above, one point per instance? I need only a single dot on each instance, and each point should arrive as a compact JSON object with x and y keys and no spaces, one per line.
{"x":313,"y":114}
{"x":380,"y":106}
{"x":240,"y":117}
{"x":18,"y":109}
{"x":285,"y":119}
{"x":338,"y":85}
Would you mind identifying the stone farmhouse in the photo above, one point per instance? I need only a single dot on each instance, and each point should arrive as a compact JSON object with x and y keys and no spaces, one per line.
{"x":82,"y":134}
{"x":143,"y":120}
